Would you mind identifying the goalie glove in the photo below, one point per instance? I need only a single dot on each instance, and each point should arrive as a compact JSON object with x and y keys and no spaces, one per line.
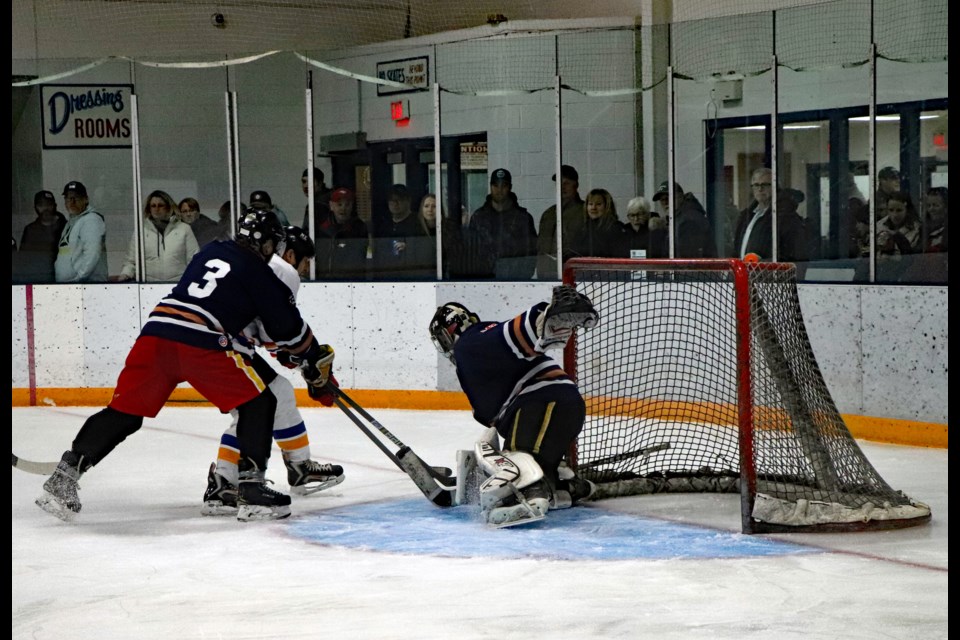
{"x":325,"y":394}
{"x":568,"y":310}
{"x":317,"y":364}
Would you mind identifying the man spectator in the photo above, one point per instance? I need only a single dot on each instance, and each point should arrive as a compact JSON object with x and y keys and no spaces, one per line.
{"x":38,"y":244}
{"x":261,"y":201}
{"x":391,"y":252}
{"x":341,"y":244}
{"x":755,"y":223}
{"x":321,"y":199}
{"x":573,"y":215}
{"x":82,"y":251}
{"x":693,"y":237}
{"x":502,"y":234}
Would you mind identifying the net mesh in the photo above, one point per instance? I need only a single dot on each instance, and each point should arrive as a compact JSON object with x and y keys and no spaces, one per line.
{"x":661,"y":374}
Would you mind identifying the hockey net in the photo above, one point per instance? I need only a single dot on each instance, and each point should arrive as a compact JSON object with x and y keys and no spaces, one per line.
{"x":701,"y":378}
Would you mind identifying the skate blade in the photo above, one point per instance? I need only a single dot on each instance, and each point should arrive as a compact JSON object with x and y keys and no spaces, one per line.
{"x":314,"y":487}
{"x":251,"y":512}
{"x":216,"y":508}
{"x":54,"y":507}
{"x":519,"y":514}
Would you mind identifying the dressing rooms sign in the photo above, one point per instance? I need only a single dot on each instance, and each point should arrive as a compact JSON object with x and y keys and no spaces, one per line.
{"x":79,"y":116}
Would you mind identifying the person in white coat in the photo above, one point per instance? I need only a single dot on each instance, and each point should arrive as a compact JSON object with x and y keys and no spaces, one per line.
{"x":168,"y":242}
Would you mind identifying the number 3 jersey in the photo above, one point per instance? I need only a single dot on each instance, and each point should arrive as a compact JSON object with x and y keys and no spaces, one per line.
{"x":224,"y":288}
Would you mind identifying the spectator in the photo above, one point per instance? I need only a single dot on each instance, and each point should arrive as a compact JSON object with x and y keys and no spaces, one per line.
{"x":503,"y":238}
{"x":261,"y":201}
{"x":82,"y":251}
{"x":425,"y":247}
{"x":168,"y":243}
{"x":755,"y":224}
{"x":390,"y":252}
{"x":38,"y":244}
{"x":636,"y":230}
{"x":602,"y":236}
{"x":341,"y":244}
{"x":898,"y":233}
{"x":321,"y":199}
{"x":204,"y":228}
{"x":888,"y":183}
{"x":573,"y":215}
{"x":936,"y":220}
{"x":693,"y":237}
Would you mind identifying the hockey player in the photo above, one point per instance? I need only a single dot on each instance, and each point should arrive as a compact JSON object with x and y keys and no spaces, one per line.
{"x":306,"y":476}
{"x":187,"y":338}
{"x":516,"y":388}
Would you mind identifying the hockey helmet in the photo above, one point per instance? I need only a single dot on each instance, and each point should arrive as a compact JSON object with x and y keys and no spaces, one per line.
{"x":298,"y":240}
{"x":448,"y":324}
{"x":257,"y":226}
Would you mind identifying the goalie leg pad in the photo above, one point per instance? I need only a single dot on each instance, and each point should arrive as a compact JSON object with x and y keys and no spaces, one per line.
{"x":507,"y":471}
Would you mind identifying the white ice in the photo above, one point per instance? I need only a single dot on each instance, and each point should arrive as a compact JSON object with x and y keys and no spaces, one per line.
{"x":141,"y":562}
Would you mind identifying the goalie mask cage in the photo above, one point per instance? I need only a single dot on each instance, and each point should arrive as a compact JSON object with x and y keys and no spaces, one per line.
{"x":700,"y":378}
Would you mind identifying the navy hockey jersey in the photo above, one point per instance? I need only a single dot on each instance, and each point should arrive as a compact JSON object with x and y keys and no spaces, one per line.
{"x":224,"y":288}
{"x":497,"y":363}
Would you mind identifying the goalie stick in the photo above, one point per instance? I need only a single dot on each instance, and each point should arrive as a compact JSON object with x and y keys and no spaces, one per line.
{"x":642,"y":452}
{"x":39,"y":468}
{"x":434,"y":484}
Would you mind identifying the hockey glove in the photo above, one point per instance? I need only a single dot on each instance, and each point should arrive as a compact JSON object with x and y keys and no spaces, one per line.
{"x":287,"y":359}
{"x":318,"y":361}
{"x":325,"y":394}
{"x":568,"y":310}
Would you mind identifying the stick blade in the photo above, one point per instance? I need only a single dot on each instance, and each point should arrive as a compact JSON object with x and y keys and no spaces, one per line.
{"x":419,"y":472}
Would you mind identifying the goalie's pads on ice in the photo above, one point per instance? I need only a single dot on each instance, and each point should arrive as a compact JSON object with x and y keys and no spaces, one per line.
{"x":515,"y":491}
{"x":568,"y":310}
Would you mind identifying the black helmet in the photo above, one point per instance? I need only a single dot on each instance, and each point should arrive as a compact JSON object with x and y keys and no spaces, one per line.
{"x":298,"y":240}
{"x":257,"y":226}
{"x":448,"y":324}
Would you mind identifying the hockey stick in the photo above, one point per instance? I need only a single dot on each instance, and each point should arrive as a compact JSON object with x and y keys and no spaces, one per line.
{"x":407,"y":461}
{"x":441,"y":474}
{"x":626,"y":455}
{"x":39,"y":468}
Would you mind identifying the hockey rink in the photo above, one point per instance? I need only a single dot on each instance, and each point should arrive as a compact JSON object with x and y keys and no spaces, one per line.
{"x":372,"y":558}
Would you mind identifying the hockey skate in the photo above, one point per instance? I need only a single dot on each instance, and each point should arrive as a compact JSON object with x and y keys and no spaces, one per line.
{"x":530,"y":505}
{"x":60,"y":490}
{"x":257,"y":501}
{"x":310,"y":477}
{"x":220,"y":498}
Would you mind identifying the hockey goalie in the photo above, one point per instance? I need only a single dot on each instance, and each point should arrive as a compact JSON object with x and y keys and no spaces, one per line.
{"x":525,"y":398}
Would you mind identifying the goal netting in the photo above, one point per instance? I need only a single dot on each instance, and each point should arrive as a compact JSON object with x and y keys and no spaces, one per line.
{"x":701,"y":378}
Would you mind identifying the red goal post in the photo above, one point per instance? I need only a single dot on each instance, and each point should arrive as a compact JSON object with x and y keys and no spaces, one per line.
{"x":700,"y":377}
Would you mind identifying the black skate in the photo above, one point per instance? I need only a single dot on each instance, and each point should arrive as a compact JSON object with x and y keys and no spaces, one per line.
{"x":257,"y":501}
{"x":310,"y":477}
{"x":220,"y":498}
{"x":60,"y":490}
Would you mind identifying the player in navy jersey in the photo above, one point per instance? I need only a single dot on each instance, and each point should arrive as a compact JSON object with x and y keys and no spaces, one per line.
{"x":525,"y":395}
{"x":187,"y":338}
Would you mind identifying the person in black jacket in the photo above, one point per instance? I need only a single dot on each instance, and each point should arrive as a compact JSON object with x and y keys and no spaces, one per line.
{"x":754,"y":226}
{"x":602,"y":235}
{"x":342,"y":241}
{"x":38,"y":244}
{"x":502,"y":234}
{"x":693,"y":237}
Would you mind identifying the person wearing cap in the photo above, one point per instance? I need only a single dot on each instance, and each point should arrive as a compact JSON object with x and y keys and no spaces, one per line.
{"x":888,"y":183}
{"x":262,"y":201}
{"x":503,"y":237}
{"x":693,"y":237}
{"x":38,"y":244}
{"x":391,"y":256}
{"x":168,"y":242}
{"x":204,"y":228}
{"x":754,"y":228}
{"x":82,"y":250}
{"x":321,"y":198}
{"x":342,"y":240}
{"x":573,"y":214}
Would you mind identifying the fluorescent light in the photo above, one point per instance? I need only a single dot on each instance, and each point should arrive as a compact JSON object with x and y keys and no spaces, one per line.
{"x":801,"y":126}
{"x":891,"y":118}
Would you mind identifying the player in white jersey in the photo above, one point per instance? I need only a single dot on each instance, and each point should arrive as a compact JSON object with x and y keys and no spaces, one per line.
{"x":305,"y":476}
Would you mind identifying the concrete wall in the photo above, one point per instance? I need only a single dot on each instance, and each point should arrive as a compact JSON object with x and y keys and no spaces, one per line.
{"x":882,"y":350}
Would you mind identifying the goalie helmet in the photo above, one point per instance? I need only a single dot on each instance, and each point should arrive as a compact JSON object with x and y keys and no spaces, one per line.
{"x":448,"y":324}
{"x":298,"y":240}
{"x":257,"y":226}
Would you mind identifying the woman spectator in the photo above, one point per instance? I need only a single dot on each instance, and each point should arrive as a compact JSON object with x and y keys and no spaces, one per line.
{"x":602,"y":236}
{"x":204,"y":228}
{"x":936,"y":221}
{"x":636,"y":230}
{"x":898,"y":233}
{"x":168,"y":243}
